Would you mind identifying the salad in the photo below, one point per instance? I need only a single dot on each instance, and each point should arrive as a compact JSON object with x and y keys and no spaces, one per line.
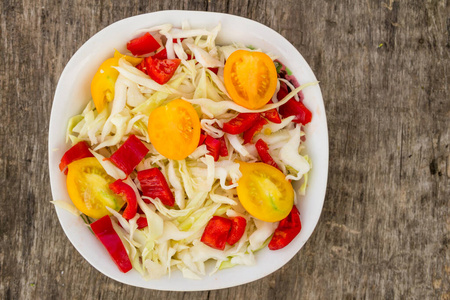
{"x":187,"y":152}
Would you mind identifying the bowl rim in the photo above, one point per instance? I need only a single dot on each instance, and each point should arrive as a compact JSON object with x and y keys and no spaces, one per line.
{"x":191,"y":285}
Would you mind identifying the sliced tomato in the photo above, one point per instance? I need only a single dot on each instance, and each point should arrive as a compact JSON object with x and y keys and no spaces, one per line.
{"x":131,"y":59}
{"x":263,"y":152}
{"x":174,"y":129}
{"x":250,"y":78}
{"x":161,"y":70}
{"x":154,"y":185}
{"x":250,"y":133}
{"x":78,"y":151}
{"x":129,"y":155}
{"x":127,"y":193}
{"x":241,"y":123}
{"x":143,"y":45}
{"x":237,"y":230}
{"x":216,"y":232}
{"x":264,"y":192}
{"x":287,"y":230}
{"x":88,"y":188}
{"x":213,"y":146}
{"x":103,"y":83}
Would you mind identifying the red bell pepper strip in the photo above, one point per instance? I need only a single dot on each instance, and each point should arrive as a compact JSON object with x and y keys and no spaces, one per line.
{"x":216,"y":232}
{"x":293,"y":108}
{"x":214,"y":70}
{"x":250,"y":133}
{"x":129,"y":155}
{"x":202,"y":138}
{"x":143,"y":45}
{"x":161,"y":70}
{"x":127,"y":193}
{"x":287,"y":230}
{"x":213,"y":146}
{"x":78,"y":151}
{"x":161,"y":54}
{"x":263,"y":152}
{"x":272,"y":114}
{"x":237,"y":230}
{"x":241,"y":123}
{"x":141,"y":222}
{"x":104,"y":231}
{"x":154,"y":185}
{"x":223,"y":150}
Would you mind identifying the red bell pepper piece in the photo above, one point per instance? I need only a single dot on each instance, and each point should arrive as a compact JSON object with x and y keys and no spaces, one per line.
{"x":161,"y":54}
{"x":216,"y":232}
{"x":263,"y":152}
{"x":293,"y":108}
{"x":141,"y":222}
{"x":202,"y":138}
{"x":104,"y":231}
{"x":223,"y":150}
{"x":250,"y":133}
{"x":154,"y":185}
{"x":272,"y":115}
{"x":214,"y":70}
{"x":161,"y":70}
{"x":213,"y":146}
{"x":237,"y":230}
{"x":143,"y":45}
{"x":287,"y":230}
{"x":121,"y":188}
{"x":78,"y":151}
{"x":129,"y":155}
{"x":241,"y":123}
{"x":142,"y":67}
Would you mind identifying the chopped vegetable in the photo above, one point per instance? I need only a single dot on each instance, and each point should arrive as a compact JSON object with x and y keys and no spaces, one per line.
{"x":250,"y":78}
{"x":88,"y":188}
{"x":237,"y":230}
{"x":127,"y":193}
{"x":272,"y":114}
{"x":141,"y":222}
{"x":103,"y":83}
{"x":216,"y":232}
{"x":129,"y":155}
{"x":294,"y":108}
{"x":287,"y":230}
{"x":104,"y":231}
{"x":241,"y":123}
{"x":264,"y":192}
{"x":256,"y":127}
{"x":213,"y":146}
{"x":154,"y":185}
{"x":263,"y":152}
{"x":143,"y":45}
{"x":161,"y":70}
{"x":78,"y":151}
{"x":174,"y":129}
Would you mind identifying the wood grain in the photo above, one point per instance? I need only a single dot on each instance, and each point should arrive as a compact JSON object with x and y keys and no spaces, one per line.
{"x":384,"y":72}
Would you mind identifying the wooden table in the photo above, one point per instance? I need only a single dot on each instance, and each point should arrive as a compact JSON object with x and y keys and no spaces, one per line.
{"x":384,"y":69}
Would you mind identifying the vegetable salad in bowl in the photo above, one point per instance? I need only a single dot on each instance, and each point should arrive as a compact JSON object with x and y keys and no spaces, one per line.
{"x":187,"y":153}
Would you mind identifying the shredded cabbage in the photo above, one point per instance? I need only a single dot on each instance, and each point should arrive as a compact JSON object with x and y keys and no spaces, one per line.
{"x":201,"y":186}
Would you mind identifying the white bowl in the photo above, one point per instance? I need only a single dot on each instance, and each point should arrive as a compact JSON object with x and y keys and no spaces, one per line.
{"x":73,"y":93}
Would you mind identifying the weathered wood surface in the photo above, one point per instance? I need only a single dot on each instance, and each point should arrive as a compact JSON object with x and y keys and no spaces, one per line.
{"x":384,"y":71}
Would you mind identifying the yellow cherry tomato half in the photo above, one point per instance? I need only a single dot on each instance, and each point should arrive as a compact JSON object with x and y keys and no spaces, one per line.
{"x":174,"y":129}
{"x":264,"y":192}
{"x":103,"y":83}
{"x":250,"y":78}
{"x":131,"y":59}
{"x":88,"y":188}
